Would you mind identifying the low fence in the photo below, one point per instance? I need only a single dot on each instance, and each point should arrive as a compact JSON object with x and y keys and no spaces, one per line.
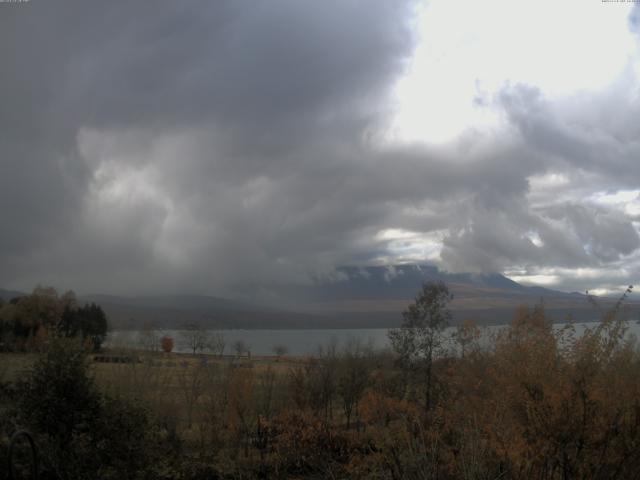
{"x":116,"y":359}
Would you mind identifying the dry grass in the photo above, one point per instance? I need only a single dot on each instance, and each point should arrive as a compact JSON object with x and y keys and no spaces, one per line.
{"x":13,"y":365}
{"x":184,"y":389}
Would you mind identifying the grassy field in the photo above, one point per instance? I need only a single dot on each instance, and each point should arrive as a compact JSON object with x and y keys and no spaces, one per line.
{"x":13,"y":365}
{"x":191,"y":395}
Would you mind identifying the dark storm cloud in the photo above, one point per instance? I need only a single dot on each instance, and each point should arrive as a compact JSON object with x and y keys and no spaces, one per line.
{"x":206,"y":146}
{"x":249,"y":99}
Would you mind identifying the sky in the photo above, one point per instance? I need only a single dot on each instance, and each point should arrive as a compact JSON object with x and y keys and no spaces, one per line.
{"x":233,"y":146}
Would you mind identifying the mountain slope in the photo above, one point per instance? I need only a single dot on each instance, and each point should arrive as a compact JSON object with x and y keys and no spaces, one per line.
{"x":382,"y":293}
{"x":404,"y":281}
{"x":7,"y":295}
{"x":354,"y":297}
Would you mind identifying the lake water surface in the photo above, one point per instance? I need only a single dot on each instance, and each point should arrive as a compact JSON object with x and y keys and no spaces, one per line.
{"x":297,"y":342}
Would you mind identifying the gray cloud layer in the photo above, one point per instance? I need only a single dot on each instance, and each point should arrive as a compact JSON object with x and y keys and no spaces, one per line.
{"x":207,"y":146}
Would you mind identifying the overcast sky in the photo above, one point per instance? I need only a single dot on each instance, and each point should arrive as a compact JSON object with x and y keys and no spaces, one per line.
{"x":204,"y":146}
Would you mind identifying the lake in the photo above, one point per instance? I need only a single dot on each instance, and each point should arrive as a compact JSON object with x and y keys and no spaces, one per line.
{"x":297,"y":342}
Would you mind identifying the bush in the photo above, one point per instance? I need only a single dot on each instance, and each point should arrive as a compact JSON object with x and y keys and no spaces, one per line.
{"x":167,"y":344}
{"x":82,"y":433}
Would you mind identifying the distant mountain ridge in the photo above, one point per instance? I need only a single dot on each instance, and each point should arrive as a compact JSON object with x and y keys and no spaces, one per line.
{"x":352,"y":297}
{"x":404,"y":281}
{"x":188,"y":302}
{"x":7,"y":295}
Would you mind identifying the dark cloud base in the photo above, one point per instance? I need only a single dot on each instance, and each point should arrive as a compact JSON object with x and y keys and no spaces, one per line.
{"x":206,"y":146}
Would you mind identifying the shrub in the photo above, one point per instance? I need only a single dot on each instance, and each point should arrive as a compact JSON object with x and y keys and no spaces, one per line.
{"x":167,"y":344}
{"x":82,"y":433}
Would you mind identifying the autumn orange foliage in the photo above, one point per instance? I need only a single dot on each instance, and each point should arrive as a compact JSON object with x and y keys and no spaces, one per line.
{"x":166,"y":343}
{"x":531,"y":401}
{"x":539,"y":403}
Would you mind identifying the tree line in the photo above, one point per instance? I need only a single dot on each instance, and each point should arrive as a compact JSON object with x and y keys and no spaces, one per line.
{"x":28,"y":322}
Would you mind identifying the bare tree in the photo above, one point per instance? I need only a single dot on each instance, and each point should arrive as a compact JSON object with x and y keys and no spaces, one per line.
{"x":195,"y":338}
{"x":467,"y":336}
{"x":216,"y":343}
{"x":420,"y":338}
{"x":216,"y":399}
{"x":149,"y":338}
{"x":355,"y":369}
{"x":242,"y":406}
{"x":320,"y":378}
{"x":240,"y":347}
{"x":267,"y":387}
{"x":280,"y":350}
{"x":191,"y":379}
